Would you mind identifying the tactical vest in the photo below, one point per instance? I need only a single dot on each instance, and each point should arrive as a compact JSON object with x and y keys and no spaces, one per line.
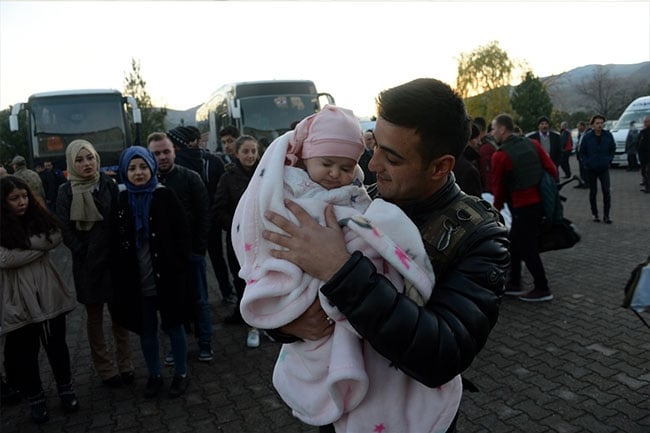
{"x":527,"y":168}
{"x":451,"y":228}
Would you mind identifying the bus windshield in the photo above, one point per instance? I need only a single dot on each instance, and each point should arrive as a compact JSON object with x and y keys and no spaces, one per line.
{"x":58,"y":120}
{"x":272,"y":116}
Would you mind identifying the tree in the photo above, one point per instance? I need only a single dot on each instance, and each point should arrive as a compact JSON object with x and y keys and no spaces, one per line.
{"x":486,"y":68}
{"x":11,"y":143}
{"x":483,"y":80}
{"x":607,"y":96}
{"x":153,"y":119}
{"x":530,"y":100}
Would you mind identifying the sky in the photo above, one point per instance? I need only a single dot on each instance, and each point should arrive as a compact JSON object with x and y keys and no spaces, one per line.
{"x":352,"y":50}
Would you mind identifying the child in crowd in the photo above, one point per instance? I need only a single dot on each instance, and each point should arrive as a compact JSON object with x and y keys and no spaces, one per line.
{"x":35,"y":298}
{"x":150,"y":251}
{"x":322,"y":381}
{"x":84,"y":206}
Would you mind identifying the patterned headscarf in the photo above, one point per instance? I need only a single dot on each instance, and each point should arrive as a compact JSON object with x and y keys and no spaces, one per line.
{"x":139,"y":196}
{"x":82,"y":208}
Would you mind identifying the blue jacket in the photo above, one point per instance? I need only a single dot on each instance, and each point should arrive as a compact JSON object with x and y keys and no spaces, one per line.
{"x":597,"y":155}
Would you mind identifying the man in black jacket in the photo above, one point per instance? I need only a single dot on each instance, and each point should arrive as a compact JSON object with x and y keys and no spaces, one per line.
{"x":643,"y":150}
{"x":550,"y":140}
{"x":193,"y":195}
{"x":421,"y":129}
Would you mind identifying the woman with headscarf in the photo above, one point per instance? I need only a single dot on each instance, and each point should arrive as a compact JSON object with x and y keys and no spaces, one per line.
{"x":150,"y":250}
{"x":84,"y":206}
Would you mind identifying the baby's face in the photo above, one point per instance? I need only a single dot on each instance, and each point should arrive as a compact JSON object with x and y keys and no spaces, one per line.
{"x":330,"y":171}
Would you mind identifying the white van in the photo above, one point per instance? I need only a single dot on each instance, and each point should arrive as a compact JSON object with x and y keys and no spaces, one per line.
{"x":636,"y":111}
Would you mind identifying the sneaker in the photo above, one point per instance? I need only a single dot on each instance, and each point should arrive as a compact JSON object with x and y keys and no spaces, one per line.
{"x":169,"y":359}
{"x":253,"y":338}
{"x":38,"y":408}
{"x":537,"y":295}
{"x":606,"y":220}
{"x":205,"y":355}
{"x":178,"y":386}
{"x":154,"y":384}
{"x":514,"y":290}
{"x":596,"y":219}
{"x":68,"y":398}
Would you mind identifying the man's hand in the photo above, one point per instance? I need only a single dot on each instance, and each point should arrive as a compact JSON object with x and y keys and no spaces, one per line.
{"x":313,"y":324}
{"x":319,"y":251}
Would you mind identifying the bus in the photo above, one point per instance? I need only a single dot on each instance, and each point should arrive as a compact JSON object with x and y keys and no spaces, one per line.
{"x":54,"y":119}
{"x":263,"y":109}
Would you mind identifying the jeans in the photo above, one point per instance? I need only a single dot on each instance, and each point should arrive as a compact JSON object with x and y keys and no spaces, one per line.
{"x":584,"y":176}
{"x":564,"y":163}
{"x":524,"y":245}
{"x":603,"y":176}
{"x":217,"y":257}
{"x":239,"y":284}
{"x":21,"y":354}
{"x":199,"y":283}
{"x":150,"y":344}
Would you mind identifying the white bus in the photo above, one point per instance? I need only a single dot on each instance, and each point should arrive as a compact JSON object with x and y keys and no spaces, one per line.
{"x":636,"y":111}
{"x":263,"y":109}
{"x":54,"y":119}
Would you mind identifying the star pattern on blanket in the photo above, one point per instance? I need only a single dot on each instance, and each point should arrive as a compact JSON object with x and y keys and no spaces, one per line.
{"x":379,"y":428}
{"x":403,"y":257}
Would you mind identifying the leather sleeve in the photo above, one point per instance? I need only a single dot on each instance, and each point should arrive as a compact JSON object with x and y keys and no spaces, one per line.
{"x":435,"y":342}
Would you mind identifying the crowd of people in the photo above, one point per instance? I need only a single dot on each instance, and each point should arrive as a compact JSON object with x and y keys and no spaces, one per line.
{"x":414,"y":253}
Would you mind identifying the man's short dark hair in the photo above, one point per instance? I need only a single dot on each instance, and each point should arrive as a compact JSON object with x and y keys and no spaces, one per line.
{"x":434,"y":110}
{"x":506,"y":121}
{"x":229,"y":130}
{"x":480,"y":122}
{"x":596,"y":116}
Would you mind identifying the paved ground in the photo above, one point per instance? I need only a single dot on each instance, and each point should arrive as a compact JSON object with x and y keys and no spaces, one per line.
{"x":578,"y":364}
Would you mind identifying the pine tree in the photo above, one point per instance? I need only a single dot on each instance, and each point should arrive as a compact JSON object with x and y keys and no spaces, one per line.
{"x":153,"y":119}
{"x":530,"y":100}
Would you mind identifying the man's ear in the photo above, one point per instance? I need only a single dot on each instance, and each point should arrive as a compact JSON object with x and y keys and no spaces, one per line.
{"x":441,"y":167}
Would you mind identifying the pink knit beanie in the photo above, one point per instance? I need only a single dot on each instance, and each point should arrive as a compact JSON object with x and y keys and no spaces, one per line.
{"x":333,"y":131}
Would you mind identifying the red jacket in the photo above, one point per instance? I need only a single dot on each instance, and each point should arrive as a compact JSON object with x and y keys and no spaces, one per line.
{"x":501,"y":164}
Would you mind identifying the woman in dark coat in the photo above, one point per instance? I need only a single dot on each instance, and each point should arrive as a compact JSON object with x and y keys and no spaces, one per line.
{"x":84,"y":206}
{"x":150,"y":252}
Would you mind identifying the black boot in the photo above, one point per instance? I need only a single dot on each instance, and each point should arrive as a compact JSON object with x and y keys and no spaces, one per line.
{"x":38,"y":408}
{"x":68,"y":398}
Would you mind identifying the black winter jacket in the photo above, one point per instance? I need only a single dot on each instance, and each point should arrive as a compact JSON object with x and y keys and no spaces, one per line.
{"x":169,"y":245}
{"x":193,"y":195}
{"x":435,"y":342}
{"x":230,"y":189}
{"x":92,"y":276}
